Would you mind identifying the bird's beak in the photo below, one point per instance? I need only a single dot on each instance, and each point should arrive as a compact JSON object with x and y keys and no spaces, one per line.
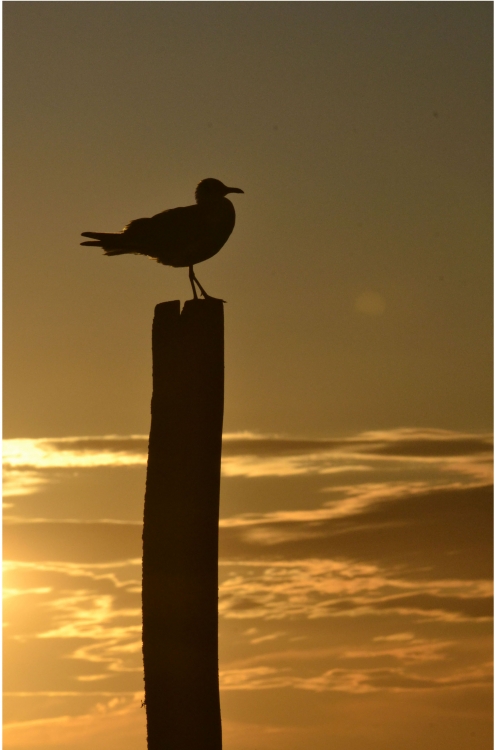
{"x":233,"y":190}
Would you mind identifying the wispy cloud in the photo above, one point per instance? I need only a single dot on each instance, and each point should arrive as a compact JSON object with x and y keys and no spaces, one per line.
{"x":95,"y":607}
{"x":118,"y":716}
{"x":29,"y":463}
{"x":329,"y":588}
{"x":22,"y":481}
{"x":395,"y":542}
{"x":371,"y":680}
{"x":71,"y":452}
{"x":353,"y":500}
{"x":96,"y":611}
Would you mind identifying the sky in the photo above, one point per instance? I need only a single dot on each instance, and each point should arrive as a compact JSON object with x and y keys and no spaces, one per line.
{"x":355,"y":553}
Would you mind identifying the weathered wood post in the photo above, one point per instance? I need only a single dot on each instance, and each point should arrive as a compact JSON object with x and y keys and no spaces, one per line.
{"x":180,"y":533}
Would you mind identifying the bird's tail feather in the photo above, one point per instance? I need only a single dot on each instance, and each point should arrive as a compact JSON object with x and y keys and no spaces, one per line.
{"x":111,"y":242}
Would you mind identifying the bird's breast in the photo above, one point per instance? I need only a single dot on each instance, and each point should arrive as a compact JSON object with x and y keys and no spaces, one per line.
{"x":220,"y":216}
{"x":218,"y":221}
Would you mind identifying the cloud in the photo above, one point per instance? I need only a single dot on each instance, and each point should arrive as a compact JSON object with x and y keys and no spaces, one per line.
{"x":367,"y":553}
{"x":442,"y":607}
{"x":70,"y":452}
{"x":18,"y":482}
{"x":96,"y":610}
{"x":403,"y":648}
{"x":91,"y":614}
{"x":253,"y":456}
{"x":447,"y":529}
{"x":356,"y":681}
{"x":391,"y":679}
{"x":119,"y":717}
{"x":329,"y":588}
{"x":401,"y":662}
{"x":30,"y":463}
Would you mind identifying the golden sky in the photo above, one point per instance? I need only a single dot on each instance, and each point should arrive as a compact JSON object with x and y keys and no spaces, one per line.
{"x":355,"y":557}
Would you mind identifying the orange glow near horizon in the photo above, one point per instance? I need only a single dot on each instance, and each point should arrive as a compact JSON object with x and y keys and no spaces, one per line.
{"x":309,"y":604}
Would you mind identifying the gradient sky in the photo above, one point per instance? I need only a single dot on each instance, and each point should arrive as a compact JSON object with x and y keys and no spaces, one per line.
{"x":355,"y":552}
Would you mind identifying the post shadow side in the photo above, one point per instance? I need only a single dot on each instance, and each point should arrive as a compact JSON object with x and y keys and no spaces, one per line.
{"x":180,"y":532}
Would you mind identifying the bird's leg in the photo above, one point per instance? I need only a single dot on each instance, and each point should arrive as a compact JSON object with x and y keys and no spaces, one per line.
{"x":204,"y":294}
{"x":192,"y":279}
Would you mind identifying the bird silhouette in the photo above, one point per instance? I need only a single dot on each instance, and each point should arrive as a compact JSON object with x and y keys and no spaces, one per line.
{"x":179,"y":237}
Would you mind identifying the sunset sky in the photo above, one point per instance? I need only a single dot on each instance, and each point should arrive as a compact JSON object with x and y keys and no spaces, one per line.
{"x":355,"y":555}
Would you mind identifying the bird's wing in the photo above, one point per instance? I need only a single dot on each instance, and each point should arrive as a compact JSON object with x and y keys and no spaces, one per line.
{"x":167,"y":236}
{"x":136,"y":227}
{"x":182,"y":224}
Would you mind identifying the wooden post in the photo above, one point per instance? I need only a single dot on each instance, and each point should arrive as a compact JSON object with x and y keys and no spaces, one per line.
{"x":180,"y":533}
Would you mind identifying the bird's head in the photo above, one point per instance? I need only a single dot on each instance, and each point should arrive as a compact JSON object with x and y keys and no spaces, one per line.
{"x":211,"y":190}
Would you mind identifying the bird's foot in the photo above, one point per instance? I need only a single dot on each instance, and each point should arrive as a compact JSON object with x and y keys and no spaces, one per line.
{"x":208,"y":296}
{"x":195,"y":283}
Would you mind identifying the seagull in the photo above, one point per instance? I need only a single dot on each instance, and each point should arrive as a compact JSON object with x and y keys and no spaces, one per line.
{"x":179,"y":237}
